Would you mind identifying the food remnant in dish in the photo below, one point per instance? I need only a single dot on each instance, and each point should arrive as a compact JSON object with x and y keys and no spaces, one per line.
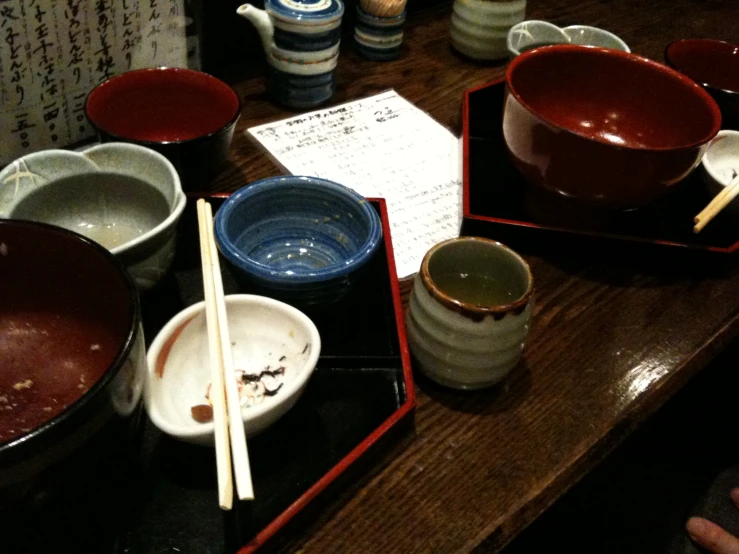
{"x":20,"y":385}
{"x":202,"y":413}
{"x":253,"y":389}
{"x":291,"y":333}
{"x":95,"y":347}
{"x":3,"y":249}
{"x":283,"y":358}
{"x":43,"y":355}
{"x":307,"y":346}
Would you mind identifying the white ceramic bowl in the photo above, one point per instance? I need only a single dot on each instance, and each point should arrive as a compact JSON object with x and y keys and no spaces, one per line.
{"x":126,"y":197}
{"x":720,"y":164}
{"x":265,"y":333}
{"x":533,"y":33}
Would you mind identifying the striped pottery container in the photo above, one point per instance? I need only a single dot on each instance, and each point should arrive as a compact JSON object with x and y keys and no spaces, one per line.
{"x":300,"y":83}
{"x":480,"y":27}
{"x":301,"y":41}
{"x":378,"y":38}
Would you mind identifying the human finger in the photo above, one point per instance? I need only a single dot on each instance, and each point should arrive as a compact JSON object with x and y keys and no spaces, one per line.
{"x":711,"y":537}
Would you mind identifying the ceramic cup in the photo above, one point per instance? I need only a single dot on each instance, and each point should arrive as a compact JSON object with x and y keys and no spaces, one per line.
{"x":469,"y":312}
{"x":479,"y":28}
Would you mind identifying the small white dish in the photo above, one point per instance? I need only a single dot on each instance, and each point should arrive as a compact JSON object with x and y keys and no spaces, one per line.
{"x":532,"y":34}
{"x":593,"y":36}
{"x":266,"y":336}
{"x":720,"y":164}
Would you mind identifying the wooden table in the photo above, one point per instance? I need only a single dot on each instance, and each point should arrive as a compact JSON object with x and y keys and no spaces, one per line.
{"x":612,"y":338}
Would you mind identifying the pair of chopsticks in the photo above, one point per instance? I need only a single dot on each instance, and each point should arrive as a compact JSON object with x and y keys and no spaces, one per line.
{"x":719,"y":202}
{"x":224,"y":394}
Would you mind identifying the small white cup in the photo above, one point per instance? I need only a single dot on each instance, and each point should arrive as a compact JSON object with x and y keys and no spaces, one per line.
{"x":720,"y":164}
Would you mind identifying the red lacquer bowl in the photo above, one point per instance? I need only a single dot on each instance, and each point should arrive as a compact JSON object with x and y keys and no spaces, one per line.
{"x":714,"y":64}
{"x":602,"y":126}
{"x":186,"y":115}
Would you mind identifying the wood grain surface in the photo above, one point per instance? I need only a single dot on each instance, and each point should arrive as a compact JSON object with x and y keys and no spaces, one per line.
{"x":613,"y":336}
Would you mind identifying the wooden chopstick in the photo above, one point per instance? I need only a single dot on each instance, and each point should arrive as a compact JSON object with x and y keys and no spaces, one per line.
{"x":714,"y":207}
{"x":239,"y":450}
{"x":217,"y":393}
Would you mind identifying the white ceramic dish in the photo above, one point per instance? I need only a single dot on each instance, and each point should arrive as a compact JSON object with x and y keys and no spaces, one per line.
{"x":265,"y":333}
{"x":720,"y":164}
{"x":533,"y":33}
{"x":126,"y":197}
{"x":593,"y":36}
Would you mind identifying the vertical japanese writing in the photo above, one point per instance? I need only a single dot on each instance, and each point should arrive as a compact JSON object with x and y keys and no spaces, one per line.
{"x":19,"y":76}
{"x":15,"y":53}
{"x":104,"y":63}
{"x":129,"y":34}
{"x":155,"y":27}
{"x":45,"y":56}
{"x":75,"y":38}
{"x":175,"y":20}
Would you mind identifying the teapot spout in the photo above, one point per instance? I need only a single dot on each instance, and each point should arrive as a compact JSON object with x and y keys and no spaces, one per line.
{"x":263,"y":23}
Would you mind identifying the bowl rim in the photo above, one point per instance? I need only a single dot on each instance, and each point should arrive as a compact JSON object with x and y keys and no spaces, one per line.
{"x":234,"y":255}
{"x":455,"y":304}
{"x":126,"y":349}
{"x":153,"y":143}
{"x":671,"y":62}
{"x":538,"y":22}
{"x":707,"y":166}
{"x":182,"y":319}
{"x":600,"y":31}
{"x":634,"y":58}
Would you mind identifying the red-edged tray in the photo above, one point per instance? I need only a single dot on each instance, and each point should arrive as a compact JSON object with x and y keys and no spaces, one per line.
{"x":358,"y":404}
{"x":500,"y":204}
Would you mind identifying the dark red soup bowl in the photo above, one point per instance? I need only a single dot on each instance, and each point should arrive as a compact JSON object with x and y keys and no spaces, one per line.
{"x":186,"y":115}
{"x":70,"y":343}
{"x":714,"y":64}
{"x":604,"y":127}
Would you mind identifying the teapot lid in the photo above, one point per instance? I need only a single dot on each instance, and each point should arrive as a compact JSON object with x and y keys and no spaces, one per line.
{"x":305,"y":11}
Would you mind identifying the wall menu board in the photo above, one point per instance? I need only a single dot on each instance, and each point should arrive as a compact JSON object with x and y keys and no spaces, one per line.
{"x":53,"y":52}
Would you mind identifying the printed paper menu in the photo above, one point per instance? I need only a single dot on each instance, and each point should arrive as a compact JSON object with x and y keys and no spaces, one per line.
{"x":53,"y":52}
{"x":381,"y":146}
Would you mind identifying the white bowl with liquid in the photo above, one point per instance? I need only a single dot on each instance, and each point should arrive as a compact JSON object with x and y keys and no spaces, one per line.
{"x":125,"y":197}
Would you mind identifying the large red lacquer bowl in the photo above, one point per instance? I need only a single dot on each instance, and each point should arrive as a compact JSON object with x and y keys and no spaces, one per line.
{"x":602,"y":126}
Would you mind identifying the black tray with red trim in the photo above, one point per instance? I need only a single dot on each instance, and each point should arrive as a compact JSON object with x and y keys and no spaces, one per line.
{"x":154,"y":494}
{"x":500,"y":204}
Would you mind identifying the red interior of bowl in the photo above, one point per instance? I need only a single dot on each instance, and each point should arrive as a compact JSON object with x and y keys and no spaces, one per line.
{"x":613,"y":97}
{"x":66,"y":314}
{"x":710,"y":62}
{"x":162,"y":105}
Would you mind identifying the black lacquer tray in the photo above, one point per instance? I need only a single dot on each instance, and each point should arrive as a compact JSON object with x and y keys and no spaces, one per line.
{"x":500,"y":204}
{"x":151,"y":494}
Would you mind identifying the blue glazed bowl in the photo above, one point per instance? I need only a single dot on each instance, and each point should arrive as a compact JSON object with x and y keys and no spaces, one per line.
{"x":303,"y":240}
